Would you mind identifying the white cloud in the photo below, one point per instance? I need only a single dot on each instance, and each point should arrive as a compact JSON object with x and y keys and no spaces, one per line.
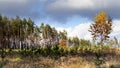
{"x":116,"y":29}
{"x":84,"y":8}
{"x":58,"y":10}
{"x":76,"y":4}
{"x":82,"y":32}
{"x":84,"y":4}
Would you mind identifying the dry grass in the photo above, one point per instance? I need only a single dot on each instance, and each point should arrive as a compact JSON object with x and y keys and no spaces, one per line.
{"x":76,"y":62}
{"x":47,"y":62}
{"x":112,"y":60}
{"x":62,"y":62}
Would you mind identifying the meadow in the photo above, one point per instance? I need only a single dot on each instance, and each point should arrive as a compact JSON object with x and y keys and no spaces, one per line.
{"x":62,"y":57}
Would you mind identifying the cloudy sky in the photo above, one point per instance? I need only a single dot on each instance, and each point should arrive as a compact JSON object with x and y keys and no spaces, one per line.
{"x":73,"y":15}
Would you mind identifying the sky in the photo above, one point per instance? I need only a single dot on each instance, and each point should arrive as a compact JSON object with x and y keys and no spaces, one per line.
{"x":75,"y":16}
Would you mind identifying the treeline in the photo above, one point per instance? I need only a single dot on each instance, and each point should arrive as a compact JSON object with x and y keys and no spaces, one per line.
{"x":16,"y":30}
{"x":19,"y":33}
{"x":23,"y":33}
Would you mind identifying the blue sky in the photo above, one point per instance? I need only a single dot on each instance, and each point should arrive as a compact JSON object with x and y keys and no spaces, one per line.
{"x":73,"y":15}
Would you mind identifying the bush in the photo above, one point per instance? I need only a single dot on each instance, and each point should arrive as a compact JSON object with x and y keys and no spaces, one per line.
{"x":99,"y":60}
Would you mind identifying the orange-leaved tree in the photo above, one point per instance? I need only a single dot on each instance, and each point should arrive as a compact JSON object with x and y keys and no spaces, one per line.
{"x":63,"y":38}
{"x":101,"y":28}
{"x":63,"y":42}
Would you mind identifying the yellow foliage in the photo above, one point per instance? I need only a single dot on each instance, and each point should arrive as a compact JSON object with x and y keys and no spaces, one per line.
{"x":102,"y":27}
{"x":101,"y":17}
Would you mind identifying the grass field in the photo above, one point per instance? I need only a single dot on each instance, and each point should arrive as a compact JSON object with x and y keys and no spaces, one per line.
{"x":63,"y":57}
